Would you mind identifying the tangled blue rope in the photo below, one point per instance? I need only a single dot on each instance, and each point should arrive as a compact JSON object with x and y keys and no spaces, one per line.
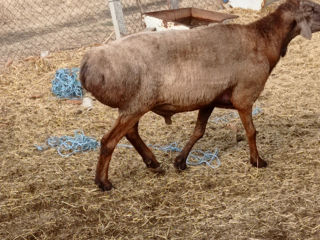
{"x":172,"y":147}
{"x":256,"y":111}
{"x":66,"y":145}
{"x":232,"y":115}
{"x":66,"y":85}
{"x":207,"y":157}
{"x":195,"y":157}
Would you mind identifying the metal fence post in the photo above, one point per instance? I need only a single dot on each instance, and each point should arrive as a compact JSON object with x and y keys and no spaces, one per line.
{"x":117,"y":18}
{"x":174,"y":4}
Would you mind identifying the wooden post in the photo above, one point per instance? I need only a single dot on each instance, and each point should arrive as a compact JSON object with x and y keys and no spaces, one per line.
{"x":117,"y":18}
{"x":174,"y":4}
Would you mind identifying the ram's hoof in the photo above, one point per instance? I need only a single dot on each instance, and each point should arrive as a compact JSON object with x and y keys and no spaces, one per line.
{"x":259,"y":164}
{"x":105,"y":185}
{"x":180,"y":164}
{"x":158,"y":170}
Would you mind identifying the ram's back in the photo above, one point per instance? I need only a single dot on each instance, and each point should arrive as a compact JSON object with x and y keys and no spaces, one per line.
{"x":180,"y":69}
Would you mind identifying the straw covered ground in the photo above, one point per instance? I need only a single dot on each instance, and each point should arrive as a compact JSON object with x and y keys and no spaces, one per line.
{"x":45,"y":196}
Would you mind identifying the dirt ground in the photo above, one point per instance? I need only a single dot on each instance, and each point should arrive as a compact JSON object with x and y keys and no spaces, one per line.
{"x":45,"y":196}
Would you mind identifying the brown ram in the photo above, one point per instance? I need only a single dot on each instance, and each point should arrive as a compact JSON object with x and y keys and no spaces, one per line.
{"x":169,"y":72}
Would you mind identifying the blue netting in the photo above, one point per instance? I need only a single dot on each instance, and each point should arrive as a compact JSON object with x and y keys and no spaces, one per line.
{"x":66,"y":85}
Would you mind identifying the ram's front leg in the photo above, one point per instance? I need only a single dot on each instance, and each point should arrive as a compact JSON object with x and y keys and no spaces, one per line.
{"x":246,"y":118}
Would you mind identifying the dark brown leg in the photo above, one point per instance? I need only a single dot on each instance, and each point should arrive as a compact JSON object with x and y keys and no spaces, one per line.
{"x":246,"y":118}
{"x":203,"y":116}
{"x":108,"y":144}
{"x":146,"y":154}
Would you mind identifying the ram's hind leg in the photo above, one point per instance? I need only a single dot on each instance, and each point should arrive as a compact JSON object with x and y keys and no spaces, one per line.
{"x":108,"y":143}
{"x":203,"y":116}
{"x":146,"y":154}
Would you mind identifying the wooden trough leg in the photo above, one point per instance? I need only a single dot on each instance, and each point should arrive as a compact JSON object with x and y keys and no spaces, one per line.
{"x":203,"y":116}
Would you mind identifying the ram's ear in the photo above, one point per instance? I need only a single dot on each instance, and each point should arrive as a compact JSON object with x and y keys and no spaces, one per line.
{"x":305,"y":29}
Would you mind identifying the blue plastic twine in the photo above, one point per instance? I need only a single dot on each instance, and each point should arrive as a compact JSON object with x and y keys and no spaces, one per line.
{"x":195,"y":157}
{"x":207,"y":158}
{"x":232,"y":115}
{"x":66,"y":85}
{"x":172,"y":147}
{"x":66,"y":145}
{"x":256,"y":111}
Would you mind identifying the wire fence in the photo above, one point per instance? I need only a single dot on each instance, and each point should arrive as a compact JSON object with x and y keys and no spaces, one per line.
{"x":28,"y":27}
{"x":133,"y":10}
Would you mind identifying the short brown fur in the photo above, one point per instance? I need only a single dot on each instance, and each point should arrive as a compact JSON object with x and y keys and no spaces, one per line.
{"x":175,"y":71}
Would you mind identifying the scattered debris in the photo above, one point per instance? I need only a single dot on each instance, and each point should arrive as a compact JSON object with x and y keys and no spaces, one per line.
{"x":8,"y":63}
{"x":44,"y":54}
{"x":74,"y":101}
{"x":87,"y":103}
{"x":36,"y":96}
{"x":108,"y":38}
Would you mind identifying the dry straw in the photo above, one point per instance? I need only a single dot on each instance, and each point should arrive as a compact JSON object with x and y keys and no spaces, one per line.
{"x":45,"y":196}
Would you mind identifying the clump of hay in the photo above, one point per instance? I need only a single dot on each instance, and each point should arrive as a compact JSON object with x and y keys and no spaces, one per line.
{"x":45,"y":196}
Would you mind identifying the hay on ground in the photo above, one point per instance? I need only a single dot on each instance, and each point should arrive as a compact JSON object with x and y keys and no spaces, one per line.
{"x":45,"y":196}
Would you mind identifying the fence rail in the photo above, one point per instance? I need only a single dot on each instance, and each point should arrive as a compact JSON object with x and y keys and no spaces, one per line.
{"x":28,"y":27}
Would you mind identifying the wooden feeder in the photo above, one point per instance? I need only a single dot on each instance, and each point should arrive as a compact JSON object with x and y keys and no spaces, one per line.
{"x":183,"y":18}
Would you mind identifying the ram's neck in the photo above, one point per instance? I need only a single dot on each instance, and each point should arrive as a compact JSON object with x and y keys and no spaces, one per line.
{"x":274,"y":33}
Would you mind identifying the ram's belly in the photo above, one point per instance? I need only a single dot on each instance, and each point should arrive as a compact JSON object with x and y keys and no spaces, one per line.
{"x":191,"y":92}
